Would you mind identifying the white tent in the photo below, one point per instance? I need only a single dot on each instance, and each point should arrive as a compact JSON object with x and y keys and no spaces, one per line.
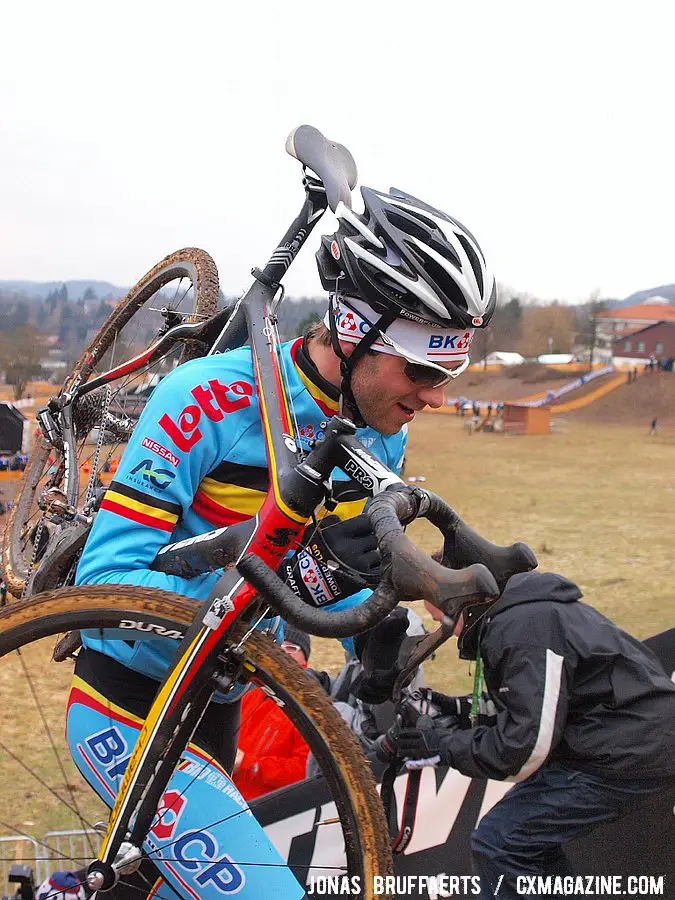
{"x":505,"y":358}
{"x":555,"y":359}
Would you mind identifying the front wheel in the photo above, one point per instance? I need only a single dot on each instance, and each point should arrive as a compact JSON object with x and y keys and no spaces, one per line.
{"x":332,"y":826}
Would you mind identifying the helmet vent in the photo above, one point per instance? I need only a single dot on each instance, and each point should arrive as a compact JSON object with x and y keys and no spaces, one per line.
{"x":408,"y":225}
{"x":388,"y":286}
{"x":473,"y":259}
{"x":437,"y":274}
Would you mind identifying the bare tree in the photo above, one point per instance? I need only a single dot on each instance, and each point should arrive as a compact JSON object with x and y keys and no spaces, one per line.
{"x":21,"y":355}
{"x":547,"y":329}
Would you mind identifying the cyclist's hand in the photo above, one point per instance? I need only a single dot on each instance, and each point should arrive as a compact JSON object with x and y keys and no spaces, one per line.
{"x":379,"y":649}
{"x":351,"y":544}
{"x":319,"y":573}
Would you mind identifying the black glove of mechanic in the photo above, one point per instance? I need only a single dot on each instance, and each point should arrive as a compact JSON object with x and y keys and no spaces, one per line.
{"x":350,"y":543}
{"x":427,"y":739}
{"x":378,"y":650}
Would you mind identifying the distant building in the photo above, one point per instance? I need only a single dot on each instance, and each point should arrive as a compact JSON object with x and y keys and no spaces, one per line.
{"x":656,"y":341}
{"x":614,"y":323}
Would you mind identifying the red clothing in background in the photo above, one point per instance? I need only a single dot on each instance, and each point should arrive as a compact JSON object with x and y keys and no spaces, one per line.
{"x":274,"y":753}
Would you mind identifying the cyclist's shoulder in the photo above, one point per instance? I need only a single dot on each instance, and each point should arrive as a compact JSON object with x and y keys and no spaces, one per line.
{"x":221,"y":366}
{"x":194,"y":399}
{"x":224,"y":380}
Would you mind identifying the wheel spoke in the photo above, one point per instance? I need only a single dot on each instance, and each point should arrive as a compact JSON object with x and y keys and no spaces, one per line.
{"x":266,"y":665}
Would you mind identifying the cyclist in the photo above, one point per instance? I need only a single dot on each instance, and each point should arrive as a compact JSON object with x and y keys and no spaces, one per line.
{"x":408,"y":285}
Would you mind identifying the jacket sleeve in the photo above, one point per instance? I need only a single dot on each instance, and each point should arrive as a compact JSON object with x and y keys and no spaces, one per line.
{"x":274,"y":753}
{"x":528,"y":686}
{"x":179,"y":438}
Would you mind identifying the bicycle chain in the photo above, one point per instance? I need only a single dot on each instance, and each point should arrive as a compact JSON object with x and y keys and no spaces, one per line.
{"x":39,"y":528}
{"x":99,"y":444}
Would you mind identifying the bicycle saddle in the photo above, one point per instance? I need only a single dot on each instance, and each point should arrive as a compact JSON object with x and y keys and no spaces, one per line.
{"x":332,"y":162}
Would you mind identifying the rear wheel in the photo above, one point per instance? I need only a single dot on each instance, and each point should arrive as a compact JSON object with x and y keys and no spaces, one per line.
{"x":183,"y":286}
{"x":332,"y":826}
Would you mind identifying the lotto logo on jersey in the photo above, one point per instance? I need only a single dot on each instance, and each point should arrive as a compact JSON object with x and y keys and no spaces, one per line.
{"x":214,"y":401}
{"x":450,"y":341}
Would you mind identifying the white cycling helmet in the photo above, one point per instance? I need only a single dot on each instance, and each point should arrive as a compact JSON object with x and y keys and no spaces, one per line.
{"x":406,"y":259}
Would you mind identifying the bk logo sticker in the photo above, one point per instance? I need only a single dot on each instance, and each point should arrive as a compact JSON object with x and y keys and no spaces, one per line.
{"x":168,"y":813}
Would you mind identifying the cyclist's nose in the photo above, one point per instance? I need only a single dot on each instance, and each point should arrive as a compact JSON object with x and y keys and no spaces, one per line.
{"x":433,"y":397}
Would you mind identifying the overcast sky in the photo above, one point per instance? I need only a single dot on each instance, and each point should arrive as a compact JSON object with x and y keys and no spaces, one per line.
{"x":130,"y":129}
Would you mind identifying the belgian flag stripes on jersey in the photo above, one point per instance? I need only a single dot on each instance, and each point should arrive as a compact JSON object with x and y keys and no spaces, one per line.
{"x":139,"y":507}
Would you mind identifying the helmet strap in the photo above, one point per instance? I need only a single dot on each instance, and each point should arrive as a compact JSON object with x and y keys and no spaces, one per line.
{"x":360,"y":349}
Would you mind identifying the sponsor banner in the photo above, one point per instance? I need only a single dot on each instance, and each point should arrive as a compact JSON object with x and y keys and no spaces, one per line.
{"x":450,"y":806}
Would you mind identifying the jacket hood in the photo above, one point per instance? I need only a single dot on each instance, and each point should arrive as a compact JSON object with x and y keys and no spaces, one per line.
{"x":532,"y":587}
{"x":527,"y":587}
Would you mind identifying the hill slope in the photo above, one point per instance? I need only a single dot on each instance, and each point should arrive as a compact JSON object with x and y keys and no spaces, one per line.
{"x":651,"y":396}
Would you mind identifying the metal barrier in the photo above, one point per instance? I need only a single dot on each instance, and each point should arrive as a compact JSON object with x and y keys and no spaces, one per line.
{"x":17,"y":849}
{"x":57,"y":852}
{"x":69,"y":850}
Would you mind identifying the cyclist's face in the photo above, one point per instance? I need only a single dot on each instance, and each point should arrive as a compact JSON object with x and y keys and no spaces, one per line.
{"x":387,"y":398}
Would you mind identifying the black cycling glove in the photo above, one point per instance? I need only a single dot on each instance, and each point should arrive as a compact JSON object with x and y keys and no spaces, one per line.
{"x":425,"y":740}
{"x":339,"y":558}
{"x":378,"y":650}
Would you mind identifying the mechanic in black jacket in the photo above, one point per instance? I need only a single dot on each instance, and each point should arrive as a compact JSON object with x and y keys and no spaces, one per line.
{"x":584,"y":722}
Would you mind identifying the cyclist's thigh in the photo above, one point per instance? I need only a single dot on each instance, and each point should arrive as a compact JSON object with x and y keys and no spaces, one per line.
{"x":205,"y":841}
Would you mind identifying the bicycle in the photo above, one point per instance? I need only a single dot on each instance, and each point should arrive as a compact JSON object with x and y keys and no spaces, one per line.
{"x":218,"y":646}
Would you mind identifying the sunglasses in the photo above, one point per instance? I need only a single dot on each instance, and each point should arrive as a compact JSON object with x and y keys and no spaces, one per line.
{"x":425,"y":376}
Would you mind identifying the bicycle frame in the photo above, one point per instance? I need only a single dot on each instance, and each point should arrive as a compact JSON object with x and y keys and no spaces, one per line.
{"x":292,"y":498}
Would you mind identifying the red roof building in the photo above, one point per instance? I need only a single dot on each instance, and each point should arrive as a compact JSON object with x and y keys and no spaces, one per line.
{"x":613,"y":323}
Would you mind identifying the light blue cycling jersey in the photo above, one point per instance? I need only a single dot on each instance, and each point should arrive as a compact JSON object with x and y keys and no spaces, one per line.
{"x":196,"y":461}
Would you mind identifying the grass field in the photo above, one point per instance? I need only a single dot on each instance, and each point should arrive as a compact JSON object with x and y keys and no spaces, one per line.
{"x":595,"y":503}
